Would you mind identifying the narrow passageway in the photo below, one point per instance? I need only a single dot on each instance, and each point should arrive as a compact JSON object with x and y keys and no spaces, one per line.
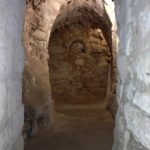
{"x":68,"y":98}
{"x":81,"y":78}
{"x":86,"y":127}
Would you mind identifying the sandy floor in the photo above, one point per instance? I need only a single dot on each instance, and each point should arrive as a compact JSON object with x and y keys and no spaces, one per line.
{"x":87,"y":127}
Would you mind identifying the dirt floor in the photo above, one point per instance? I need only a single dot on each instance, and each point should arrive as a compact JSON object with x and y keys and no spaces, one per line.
{"x":79,"y":127}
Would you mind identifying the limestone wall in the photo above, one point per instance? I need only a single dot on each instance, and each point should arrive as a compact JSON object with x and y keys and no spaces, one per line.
{"x":132,"y":130}
{"x":11,"y":68}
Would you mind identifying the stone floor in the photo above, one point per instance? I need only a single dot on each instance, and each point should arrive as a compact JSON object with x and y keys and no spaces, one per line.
{"x":86,"y":127}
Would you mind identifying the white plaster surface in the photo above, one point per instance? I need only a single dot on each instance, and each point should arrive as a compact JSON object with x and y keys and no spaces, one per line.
{"x":11,"y":68}
{"x":132,"y":131}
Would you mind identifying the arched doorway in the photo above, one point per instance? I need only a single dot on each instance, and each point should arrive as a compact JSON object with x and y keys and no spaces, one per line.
{"x":80,"y":49}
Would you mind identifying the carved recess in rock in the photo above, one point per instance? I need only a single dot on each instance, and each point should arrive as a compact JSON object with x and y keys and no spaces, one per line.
{"x":79,"y":65}
{"x":39,"y":18}
{"x":77,"y":19}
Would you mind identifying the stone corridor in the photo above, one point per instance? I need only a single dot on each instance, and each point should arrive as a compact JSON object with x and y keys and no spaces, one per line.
{"x":75,"y":67}
{"x":34,"y":112}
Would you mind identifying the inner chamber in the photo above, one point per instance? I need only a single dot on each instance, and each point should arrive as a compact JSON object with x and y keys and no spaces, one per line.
{"x":81,"y":78}
{"x":79,"y":65}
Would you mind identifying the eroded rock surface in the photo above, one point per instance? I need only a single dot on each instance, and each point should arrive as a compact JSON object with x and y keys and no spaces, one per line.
{"x":132,"y":130}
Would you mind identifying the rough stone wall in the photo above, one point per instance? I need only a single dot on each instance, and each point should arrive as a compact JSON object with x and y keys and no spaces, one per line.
{"x":11,"y":68}
{"x":132,"y":130}
{"x":39,"y":19}
{"x":87,"y":13}
{"x":79,"y":65}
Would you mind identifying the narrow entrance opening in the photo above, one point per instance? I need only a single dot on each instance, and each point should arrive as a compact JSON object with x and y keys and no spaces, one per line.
{"x":82,"y":79}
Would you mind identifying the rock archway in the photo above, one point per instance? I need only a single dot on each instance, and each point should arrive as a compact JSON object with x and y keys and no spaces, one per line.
{"x":81,"y":54}
{"x":79,"y":62}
